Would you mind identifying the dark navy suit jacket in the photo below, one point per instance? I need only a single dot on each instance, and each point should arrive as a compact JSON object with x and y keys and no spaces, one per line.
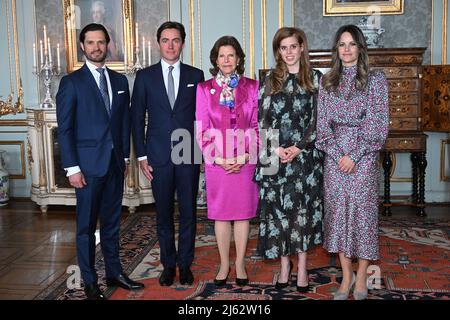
{"x":150,"y":95}
{"x":86,"y":133}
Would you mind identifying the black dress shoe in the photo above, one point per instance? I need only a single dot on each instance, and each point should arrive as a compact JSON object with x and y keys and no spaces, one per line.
{"x":221,"y":282}
{"x":167,"y":277}
{"x":282,"y":285}
{"x":186,"y":276}
{"x":124,"y":282}
{"x":93,"y":292}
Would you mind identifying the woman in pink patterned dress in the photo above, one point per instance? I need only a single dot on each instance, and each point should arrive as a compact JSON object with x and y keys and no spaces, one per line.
{"x":352,"y":127}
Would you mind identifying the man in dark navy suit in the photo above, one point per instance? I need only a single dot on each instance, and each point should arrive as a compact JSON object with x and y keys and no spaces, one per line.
{"x":94,"y":136}
{"x":166,"y":93}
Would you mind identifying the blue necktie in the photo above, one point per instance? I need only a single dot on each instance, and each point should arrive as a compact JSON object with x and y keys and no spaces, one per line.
{"x":104,"y":90}
{"x":171,"y":87}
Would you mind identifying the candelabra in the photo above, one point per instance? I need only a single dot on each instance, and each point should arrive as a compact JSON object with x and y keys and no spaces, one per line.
{"x":137,"y":65}
{"x":46,"y":68}
{"x":48,"y":71}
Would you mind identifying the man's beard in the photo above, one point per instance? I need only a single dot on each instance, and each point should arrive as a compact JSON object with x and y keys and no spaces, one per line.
{"x":97,"y":59}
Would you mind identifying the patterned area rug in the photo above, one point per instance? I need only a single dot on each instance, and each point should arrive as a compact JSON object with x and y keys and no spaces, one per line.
{"x":414,"y":265}
{"x":136,"y":240}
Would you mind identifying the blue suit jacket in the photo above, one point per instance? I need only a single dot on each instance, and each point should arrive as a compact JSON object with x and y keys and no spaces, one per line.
{"x":150,"y":96}
{"x":86,"y":133}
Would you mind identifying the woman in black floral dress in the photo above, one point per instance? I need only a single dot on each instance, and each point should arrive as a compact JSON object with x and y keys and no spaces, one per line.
{"x":290,"y":199}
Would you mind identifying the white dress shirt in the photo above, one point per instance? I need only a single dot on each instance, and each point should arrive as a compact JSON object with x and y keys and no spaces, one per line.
{"x":96,"y":74}
{"x":176,"y":81}
{"x":93,"y":69}
{"x":175,"y":73}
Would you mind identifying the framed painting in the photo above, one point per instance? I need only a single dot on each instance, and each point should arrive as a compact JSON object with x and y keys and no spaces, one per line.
{"x":115,"y":15}
{"x":362,"y":7}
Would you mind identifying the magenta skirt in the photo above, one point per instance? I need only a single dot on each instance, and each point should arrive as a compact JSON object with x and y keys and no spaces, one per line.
{"x":231,"y":196}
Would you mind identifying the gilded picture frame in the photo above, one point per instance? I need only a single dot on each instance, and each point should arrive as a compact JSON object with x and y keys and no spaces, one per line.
{"x":13,"y":103}
{"x":118,"y":20}
{"x":362,"y":8}
{"x":445,"y":147}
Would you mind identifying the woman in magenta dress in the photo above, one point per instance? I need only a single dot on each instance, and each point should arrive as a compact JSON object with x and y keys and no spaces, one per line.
{"x":227,"y":133}
{"x":352,"y":127}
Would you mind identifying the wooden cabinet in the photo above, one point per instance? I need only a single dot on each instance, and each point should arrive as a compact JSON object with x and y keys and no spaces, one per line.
{"x":403,"y":70}
{"x":436,"y":99}
{"x":49,"y":183}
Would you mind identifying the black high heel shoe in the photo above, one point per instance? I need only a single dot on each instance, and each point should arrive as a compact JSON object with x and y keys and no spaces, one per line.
{"x":302,"y":289}
{"x":282,"y":285}
{"x":242,"y":281}
{"x":222,"y":282}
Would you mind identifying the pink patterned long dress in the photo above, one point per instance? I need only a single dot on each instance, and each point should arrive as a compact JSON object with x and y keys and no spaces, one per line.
{"x":354,"y":123}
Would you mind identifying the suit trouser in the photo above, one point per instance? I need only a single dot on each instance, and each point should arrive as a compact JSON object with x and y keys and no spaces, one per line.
{"x":100,"y":198}
{"x":184,"y":180}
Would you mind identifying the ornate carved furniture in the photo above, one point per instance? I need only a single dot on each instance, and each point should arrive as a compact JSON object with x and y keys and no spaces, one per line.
{"x":49,"y":183}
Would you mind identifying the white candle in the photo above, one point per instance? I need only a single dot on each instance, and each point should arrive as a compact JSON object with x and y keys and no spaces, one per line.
{"x":149,"y":53}
{"x":41,"y":48}
{"x":57,"y":56}
{"x":45,"y":39}
{"x":137,"y":36}
{"x":143,"y":51}
{"x":34,"y":55}
{"x":49,"y":52}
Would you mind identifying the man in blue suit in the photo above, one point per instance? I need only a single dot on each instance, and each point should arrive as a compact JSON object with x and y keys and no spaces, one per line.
{"x":166,"y":93}
{"x":94,"y":137}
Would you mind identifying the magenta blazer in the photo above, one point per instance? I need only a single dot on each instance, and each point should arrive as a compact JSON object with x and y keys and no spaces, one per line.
{"x":213,"y":118}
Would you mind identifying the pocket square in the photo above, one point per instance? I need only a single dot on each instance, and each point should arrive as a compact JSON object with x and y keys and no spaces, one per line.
{"x":120,"y":92}
{"x":190,"y":85}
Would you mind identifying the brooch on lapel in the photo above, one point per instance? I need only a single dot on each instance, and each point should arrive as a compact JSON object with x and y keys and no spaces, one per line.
{"x":212,"y":91}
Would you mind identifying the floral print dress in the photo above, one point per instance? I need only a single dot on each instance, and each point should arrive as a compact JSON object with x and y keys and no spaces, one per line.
{"x":353,"y":123}
{"x":290,"y":202}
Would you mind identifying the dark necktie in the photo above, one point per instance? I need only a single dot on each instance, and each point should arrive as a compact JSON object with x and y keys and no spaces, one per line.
{"x":104,"y":90}
{"x":171,"y":87}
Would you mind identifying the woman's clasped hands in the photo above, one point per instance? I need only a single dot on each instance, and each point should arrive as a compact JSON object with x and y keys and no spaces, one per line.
{"x":287,"y":154}
{"x":232,"y":165}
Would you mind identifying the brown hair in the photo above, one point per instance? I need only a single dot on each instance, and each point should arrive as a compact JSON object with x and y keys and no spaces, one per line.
{"x":279,"y":73}
{"x":226,"y":41}
{"x":332,"y":78}
{"x":171,"y":25}
{"x":94,"y":27}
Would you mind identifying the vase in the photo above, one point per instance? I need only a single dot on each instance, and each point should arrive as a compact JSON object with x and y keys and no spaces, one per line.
{"x":4,"y":181}
{"x":371,"y":32}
